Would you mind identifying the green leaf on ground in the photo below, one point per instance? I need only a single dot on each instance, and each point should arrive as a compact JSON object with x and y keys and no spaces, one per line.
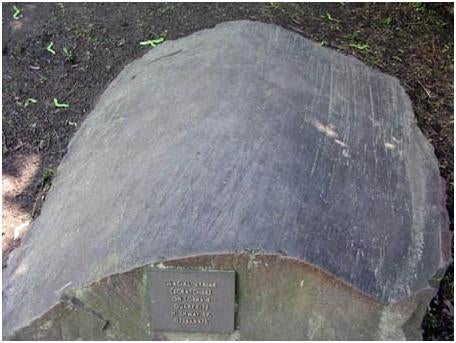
{"x":60,"y":105}
{"x":30,"y":101}
{"x":359,"y":46}
{"x":153,"y":42}
{"x":330,"y":18}
{"x":17,"y":13}
{"x":50,"y":49}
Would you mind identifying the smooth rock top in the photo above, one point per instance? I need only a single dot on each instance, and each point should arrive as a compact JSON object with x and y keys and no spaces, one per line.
{"x":242,"y":137}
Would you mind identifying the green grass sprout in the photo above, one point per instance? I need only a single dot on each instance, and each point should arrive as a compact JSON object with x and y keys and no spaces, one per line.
{"x":49,"y":48}
{"x":359,"y":46}
{"x":153,"y":42}
{"x":388,"y":21}
{"x":274,"y":5}
{"x":166,"y":9}
{"x":59,"y":105}
{"x":418,"y":6}
{"x":30,"y":101}
{"x":17,"y":13}
{"x":48,"y":174}
{"x":68,"y":55}
{"x":353,"y":36}
{"x":328,"y":16}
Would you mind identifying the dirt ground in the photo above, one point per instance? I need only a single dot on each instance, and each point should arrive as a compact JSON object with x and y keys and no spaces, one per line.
{"x":93,"y":42}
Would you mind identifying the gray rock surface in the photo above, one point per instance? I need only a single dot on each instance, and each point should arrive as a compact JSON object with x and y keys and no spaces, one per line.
{"x":245,"y":137}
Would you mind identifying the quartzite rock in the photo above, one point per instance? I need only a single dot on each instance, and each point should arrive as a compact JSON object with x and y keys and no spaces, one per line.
{"x":245,"y":138}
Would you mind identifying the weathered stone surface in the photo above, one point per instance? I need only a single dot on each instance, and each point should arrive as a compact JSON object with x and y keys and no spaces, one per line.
{"x":278,"y":298}
{"x":245,"y":137}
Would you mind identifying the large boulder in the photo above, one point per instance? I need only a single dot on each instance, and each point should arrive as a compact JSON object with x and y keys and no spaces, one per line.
{"x":249,"y":148}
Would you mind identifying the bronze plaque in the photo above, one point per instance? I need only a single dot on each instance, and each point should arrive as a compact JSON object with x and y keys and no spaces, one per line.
{"x":190,"y":300}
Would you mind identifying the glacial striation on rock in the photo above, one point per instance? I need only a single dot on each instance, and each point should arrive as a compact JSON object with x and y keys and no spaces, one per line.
{"x":244,"y":147}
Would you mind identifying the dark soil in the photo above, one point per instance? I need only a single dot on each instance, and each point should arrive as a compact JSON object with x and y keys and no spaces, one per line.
{"x":411,"y":41}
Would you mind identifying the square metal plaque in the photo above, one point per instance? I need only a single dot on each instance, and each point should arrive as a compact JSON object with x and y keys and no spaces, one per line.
{"x":193,"y":301}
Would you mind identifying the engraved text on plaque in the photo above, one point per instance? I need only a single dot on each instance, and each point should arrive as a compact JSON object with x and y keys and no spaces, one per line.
{"x":194,"y":301}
